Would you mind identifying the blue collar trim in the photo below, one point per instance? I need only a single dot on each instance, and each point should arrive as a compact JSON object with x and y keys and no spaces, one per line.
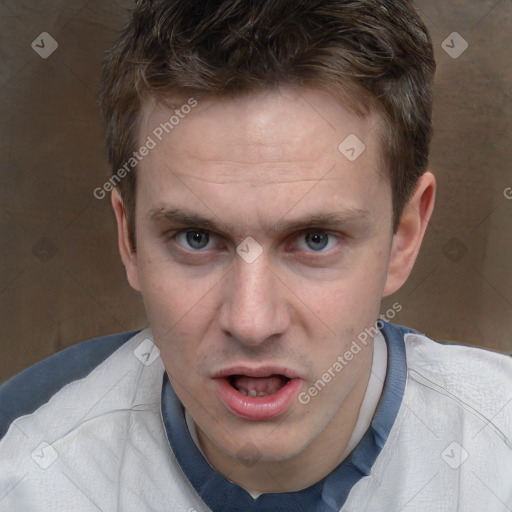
{"x":327,"y":495}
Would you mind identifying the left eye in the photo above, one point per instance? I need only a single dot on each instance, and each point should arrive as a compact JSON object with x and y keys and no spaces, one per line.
{"x":196,"y":240}
{"x":317,"y":241}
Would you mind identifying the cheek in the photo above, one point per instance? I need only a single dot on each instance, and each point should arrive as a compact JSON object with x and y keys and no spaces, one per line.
{"x":167,"y":290}
{"x":345,"y":308}
{"x":180,"y":310}
{"x":341,"y":314}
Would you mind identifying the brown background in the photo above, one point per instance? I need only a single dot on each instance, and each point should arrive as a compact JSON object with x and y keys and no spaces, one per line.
{"x":61,"y":278}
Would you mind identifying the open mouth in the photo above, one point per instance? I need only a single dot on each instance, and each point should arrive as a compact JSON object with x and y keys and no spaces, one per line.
{"x":257,"y":394}
{"x":258,"y":386}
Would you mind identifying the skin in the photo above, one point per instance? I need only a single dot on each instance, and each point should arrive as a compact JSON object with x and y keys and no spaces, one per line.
{"x":251,"y":165}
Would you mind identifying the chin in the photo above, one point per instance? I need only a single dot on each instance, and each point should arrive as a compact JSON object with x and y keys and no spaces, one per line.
{"x":251,"y":450}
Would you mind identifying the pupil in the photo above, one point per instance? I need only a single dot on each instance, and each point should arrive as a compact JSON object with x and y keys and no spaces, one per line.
{"x":197,"y":239}
{"x":317,"y":241}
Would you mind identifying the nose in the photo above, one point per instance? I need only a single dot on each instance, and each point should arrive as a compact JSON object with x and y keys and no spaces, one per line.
{"x":254,"y":308}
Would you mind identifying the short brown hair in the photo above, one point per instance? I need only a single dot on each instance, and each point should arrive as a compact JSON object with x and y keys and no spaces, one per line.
{"x":374,"y":54}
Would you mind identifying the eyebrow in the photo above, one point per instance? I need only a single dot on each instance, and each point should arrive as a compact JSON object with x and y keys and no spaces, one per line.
{"x":185,"y":217}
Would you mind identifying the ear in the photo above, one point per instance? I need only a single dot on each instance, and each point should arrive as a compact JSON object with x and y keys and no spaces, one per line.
{"x":128,"y":255}
{"x":407,"y":240}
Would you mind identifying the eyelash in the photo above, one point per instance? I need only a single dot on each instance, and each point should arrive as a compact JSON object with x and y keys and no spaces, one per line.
{"x":338,"y":237}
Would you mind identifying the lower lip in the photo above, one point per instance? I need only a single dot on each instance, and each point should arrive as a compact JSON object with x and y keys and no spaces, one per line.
{"x":257,"y":408}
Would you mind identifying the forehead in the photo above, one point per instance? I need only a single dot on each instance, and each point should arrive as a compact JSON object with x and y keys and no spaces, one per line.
{"x":282,"y":141}
{"x":279,"y":125}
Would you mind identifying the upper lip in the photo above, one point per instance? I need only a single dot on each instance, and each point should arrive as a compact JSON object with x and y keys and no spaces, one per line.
{"x":260,"y":371}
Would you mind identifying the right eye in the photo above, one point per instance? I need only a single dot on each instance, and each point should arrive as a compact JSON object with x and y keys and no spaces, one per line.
{"x":193,"y":239}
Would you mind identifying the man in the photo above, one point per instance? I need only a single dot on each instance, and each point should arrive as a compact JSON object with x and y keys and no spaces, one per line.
{"x":270,"y":162}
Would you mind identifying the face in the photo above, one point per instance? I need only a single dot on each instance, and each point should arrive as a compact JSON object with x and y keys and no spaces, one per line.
{"x":262,"y":252}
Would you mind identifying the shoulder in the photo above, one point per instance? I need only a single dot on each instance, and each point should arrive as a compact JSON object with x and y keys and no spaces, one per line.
{"x":462,"y":381}
{"x":88,"y":428}
{"x":26,"y":392}
{"x":455,"y":363}
{"x":451,"y":440}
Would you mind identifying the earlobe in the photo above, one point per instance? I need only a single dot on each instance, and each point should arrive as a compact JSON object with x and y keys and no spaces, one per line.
{"x":128,"y":255}
{"x":407,"y":240}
